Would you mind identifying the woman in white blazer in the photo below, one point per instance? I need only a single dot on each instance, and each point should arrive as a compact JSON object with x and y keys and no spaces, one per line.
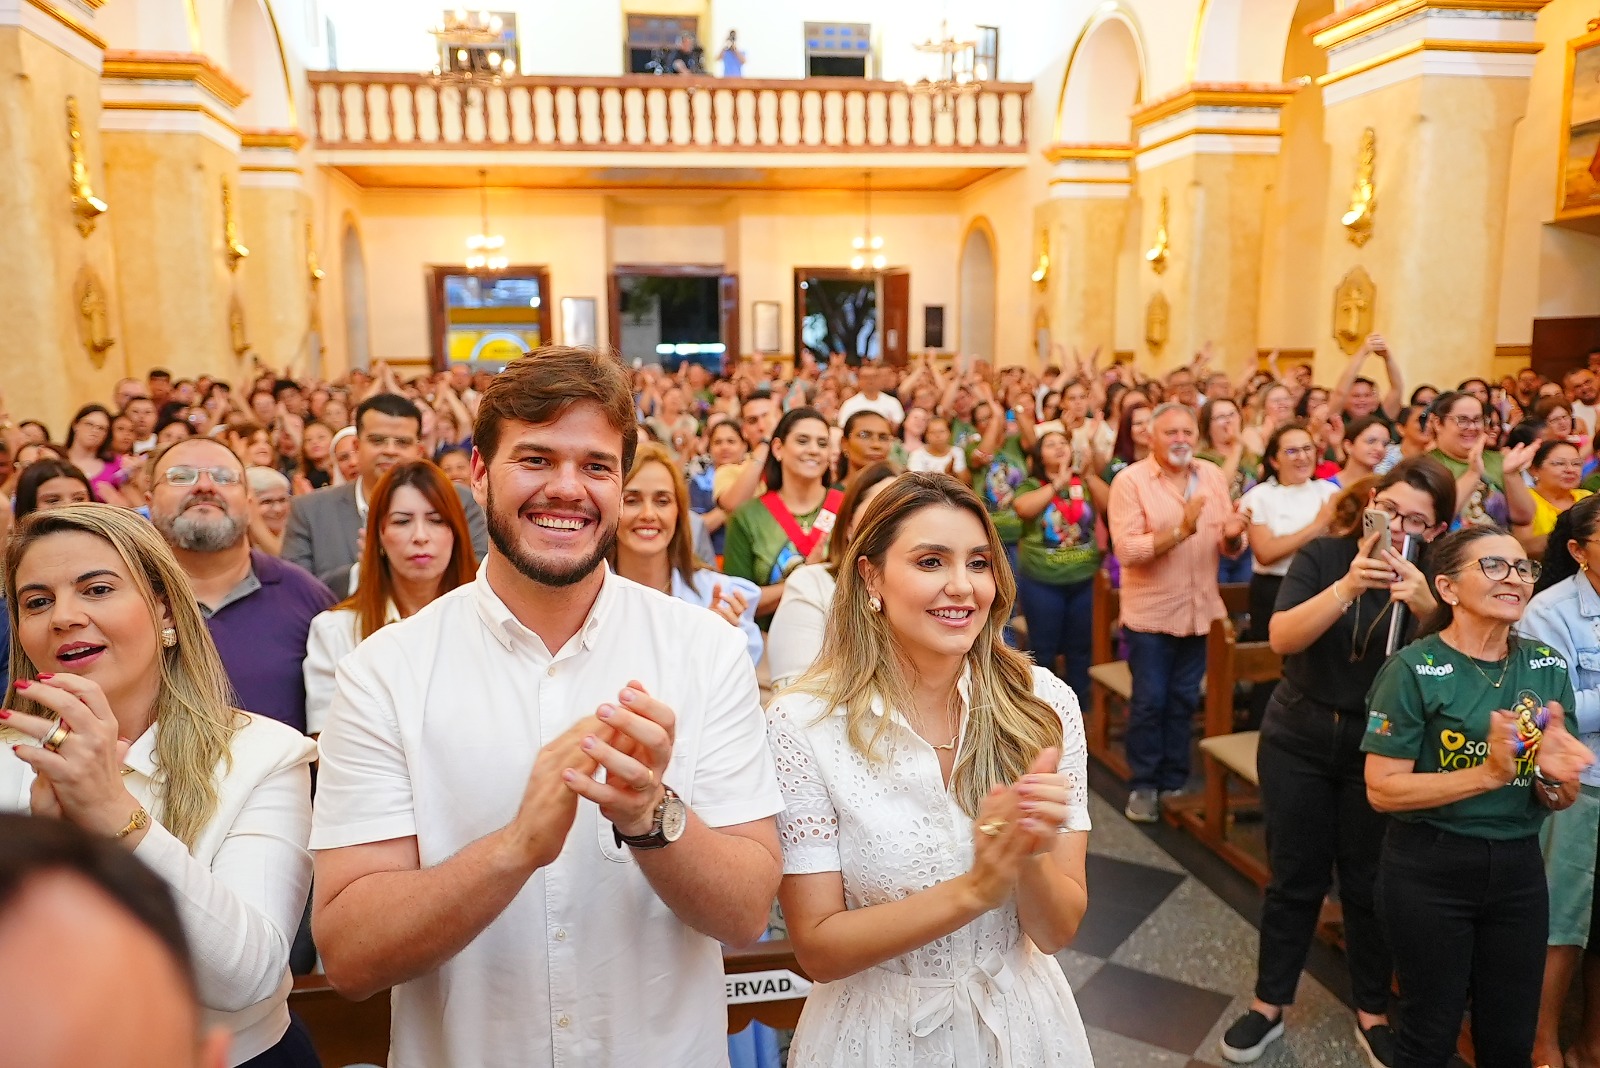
{"x":117,"y":686}
{"x":418,"y":534}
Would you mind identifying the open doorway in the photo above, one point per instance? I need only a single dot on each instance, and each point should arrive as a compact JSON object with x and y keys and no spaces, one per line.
{"x":668,"y":314}
{"x":859,"y":315}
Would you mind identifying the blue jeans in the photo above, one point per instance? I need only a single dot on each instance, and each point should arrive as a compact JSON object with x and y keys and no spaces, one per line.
{"x":1166,"y":691}
{"x":1060,"y":619}
{"x":1234,"y":571}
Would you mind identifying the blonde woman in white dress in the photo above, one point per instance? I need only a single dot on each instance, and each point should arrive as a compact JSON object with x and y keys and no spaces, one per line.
{"x":935,"y":819}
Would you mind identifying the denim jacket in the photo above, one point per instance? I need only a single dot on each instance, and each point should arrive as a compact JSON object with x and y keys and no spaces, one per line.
{"x":1566,"y":617}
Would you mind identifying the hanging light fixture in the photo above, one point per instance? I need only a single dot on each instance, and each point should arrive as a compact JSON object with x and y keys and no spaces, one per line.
{"x":472,"y":49}
{"x":957,"y":69}
{"x":484,"y":250}
{"x":868,"y":246}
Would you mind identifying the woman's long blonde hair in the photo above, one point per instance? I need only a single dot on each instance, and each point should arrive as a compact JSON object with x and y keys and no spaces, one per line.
{"x":680,"y":549}
{"x":194,"y":704}
{"x":1007,"y":726}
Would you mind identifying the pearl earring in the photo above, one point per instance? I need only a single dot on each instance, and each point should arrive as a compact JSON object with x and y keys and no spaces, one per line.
{"x":169,"y":638}
{"x":875,"y":603}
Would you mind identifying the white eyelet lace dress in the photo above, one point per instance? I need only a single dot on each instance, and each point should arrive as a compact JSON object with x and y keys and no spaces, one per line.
{"x":981,"y":997}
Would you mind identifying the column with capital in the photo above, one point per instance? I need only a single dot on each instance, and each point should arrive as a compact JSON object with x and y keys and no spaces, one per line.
{"x":1208,"y":152}
{"x":1421,"y":101}
{"x":1084,"y":224}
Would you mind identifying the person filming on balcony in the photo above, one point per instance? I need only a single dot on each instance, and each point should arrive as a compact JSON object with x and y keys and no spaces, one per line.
{"x":732,"y":58}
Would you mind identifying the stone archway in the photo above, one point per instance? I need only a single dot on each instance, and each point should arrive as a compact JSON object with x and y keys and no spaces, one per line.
{"x":1240,"y":40}
{"x":257,"y":62}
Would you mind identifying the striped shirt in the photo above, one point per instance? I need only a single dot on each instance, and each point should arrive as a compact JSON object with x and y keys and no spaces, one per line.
{"x":1176,"y":592}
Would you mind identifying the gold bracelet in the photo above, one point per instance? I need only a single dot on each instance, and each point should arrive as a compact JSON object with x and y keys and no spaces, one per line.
{"x":137,"y":822}
{"x":1344,"y":605}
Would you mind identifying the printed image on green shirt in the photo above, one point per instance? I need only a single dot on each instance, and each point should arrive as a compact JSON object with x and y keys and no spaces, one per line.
{"x":1430,"y":704}
{"x":1057,"y":546}
{"x":997,"y":485}
{"x":757,"y":547}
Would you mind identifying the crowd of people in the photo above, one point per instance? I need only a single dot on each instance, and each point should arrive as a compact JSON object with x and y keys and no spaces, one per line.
{"x":592,"y":664}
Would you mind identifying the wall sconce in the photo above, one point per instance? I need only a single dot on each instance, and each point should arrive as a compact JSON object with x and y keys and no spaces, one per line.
{"x":230,"y":229}
{"x":94,"y":328}
{"x":1041,"y":271}
{"x":238,"y":339}
{"x":85,"y":205}
{"x":1363,"y":198}
{"x":1156,"y":257}
{"x":313,"y":268}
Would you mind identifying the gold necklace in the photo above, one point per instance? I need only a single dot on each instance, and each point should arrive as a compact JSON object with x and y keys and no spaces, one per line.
{"x":1473,"y":661}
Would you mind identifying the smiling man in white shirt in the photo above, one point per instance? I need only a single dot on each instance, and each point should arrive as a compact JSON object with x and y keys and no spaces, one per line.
{"x":545,"y":798}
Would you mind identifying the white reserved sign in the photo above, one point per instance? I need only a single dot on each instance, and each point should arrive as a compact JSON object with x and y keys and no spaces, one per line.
{"x":777,"y":985}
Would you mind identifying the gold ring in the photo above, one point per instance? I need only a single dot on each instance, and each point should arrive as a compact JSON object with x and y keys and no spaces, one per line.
{"x":53,"y":740}
{"x":650,"y":782}
{"x":991,"y":828}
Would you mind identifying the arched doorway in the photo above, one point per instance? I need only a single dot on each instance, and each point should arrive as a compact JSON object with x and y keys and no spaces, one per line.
{"x":977,"y":291}
{"x":357,"y":332}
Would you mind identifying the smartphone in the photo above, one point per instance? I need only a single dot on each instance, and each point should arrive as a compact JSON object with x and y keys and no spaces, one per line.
{"x":1376,"y":519}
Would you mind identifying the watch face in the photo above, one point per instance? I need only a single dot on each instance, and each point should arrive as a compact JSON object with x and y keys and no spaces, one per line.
{"x":674,"y":818}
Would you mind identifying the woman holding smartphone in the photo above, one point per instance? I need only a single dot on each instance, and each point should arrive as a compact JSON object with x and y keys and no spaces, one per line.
{"x":1335,"y":609}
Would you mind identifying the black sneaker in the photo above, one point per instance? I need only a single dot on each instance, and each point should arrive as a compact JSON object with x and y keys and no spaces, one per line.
{"x":1250,"y":1036}
{"x":1377,"y":1042}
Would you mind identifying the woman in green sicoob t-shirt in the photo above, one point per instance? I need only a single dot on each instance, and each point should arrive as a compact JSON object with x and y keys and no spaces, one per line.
{"x":1461,"y":753}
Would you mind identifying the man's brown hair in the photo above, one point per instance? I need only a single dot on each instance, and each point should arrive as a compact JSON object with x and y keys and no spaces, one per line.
{"x":540,"y":387}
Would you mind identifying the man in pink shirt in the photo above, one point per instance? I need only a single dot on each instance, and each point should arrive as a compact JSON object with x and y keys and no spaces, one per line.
{"x":1171,"y":520}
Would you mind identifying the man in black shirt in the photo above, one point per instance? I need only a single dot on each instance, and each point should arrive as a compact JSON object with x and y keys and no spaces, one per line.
{"x":690,"y":57}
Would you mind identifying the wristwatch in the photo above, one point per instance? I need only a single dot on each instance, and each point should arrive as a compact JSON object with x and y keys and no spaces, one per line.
{"x":671,"y":819}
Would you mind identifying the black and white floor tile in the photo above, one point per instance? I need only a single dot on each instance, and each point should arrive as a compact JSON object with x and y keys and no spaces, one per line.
{"x":1162,"y":964}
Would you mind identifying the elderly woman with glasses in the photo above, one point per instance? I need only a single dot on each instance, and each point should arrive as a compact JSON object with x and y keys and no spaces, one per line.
{"x":1469,"y":751}
{"x":1334,"y":611}
{"x":1486,"y":494}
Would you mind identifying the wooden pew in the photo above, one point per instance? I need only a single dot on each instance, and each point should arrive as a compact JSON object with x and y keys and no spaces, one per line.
{"x":1110,"y":680}
{"x":1227,"y":753}
{"x":357,"y":1032}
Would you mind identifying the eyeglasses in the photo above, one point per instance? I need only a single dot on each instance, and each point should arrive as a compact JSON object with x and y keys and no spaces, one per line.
{"x":1299,"y":452}
{"x":183,"y":476}
{"x":1413,"y":523}
{"x":1466,"y":422}
{"x":383,"y":441}
{"x":1498,"y":568}
{"x":869,"y":437}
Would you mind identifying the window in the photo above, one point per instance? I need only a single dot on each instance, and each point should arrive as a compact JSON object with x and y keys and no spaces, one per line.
{"x":489,"y":55}
{"x":652,"y":40}
{"x":838,"y":49}
{"x":986,"y":56}
{"x":487,"y":320}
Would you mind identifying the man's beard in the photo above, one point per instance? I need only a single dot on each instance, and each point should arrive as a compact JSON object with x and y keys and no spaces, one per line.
{"x":197,"y":535}
{"x":1179,"y":455}
{"x":503,"y":532}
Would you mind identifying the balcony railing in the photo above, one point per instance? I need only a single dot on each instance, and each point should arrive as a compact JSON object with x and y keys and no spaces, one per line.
{"x":399,"y":111}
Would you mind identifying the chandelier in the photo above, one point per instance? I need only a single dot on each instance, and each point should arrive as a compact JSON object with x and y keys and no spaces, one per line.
{"x":485,"y":250}
{"x":868,"y":245}
{"x":471,"y":48}
{"x":958,"y":71}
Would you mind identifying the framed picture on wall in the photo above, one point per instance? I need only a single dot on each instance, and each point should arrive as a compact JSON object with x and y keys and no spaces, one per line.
{"x":1580,"y":130}
{"x":764,"y":316}
{"x":578,"y":321}
{"x":933,"y":326}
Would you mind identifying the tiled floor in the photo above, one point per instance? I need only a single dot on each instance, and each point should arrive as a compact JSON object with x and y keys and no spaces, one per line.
{"x":1162,"y":964}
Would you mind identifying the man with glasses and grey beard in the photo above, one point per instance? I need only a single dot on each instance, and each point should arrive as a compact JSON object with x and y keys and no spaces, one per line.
{"x":259,"y":607}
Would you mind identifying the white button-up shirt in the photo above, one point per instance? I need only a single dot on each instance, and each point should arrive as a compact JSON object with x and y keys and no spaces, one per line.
{"x":433,"y":732}
{"x":242,"y":889}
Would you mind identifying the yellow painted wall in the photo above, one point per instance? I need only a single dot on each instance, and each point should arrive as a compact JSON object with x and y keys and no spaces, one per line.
{"x":44,"y":370}
{"x":1546,"y":271}
{"x":274,"y":286}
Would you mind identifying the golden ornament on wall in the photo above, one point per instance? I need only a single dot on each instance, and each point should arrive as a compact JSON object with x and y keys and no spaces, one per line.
{"x":1363,"y":198}
{"x":230,"y":229}
{"x":236,"y":332}
{"x":85,"y":205}
{"x":94,"y":318}
{"x":1353,"y":304}
{"x":1157,"y":323}
{"x":1041,"y":270}
{"x":1156,"y":257}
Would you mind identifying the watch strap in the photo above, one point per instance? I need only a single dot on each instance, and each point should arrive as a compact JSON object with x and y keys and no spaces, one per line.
{"x":653,"y":839}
